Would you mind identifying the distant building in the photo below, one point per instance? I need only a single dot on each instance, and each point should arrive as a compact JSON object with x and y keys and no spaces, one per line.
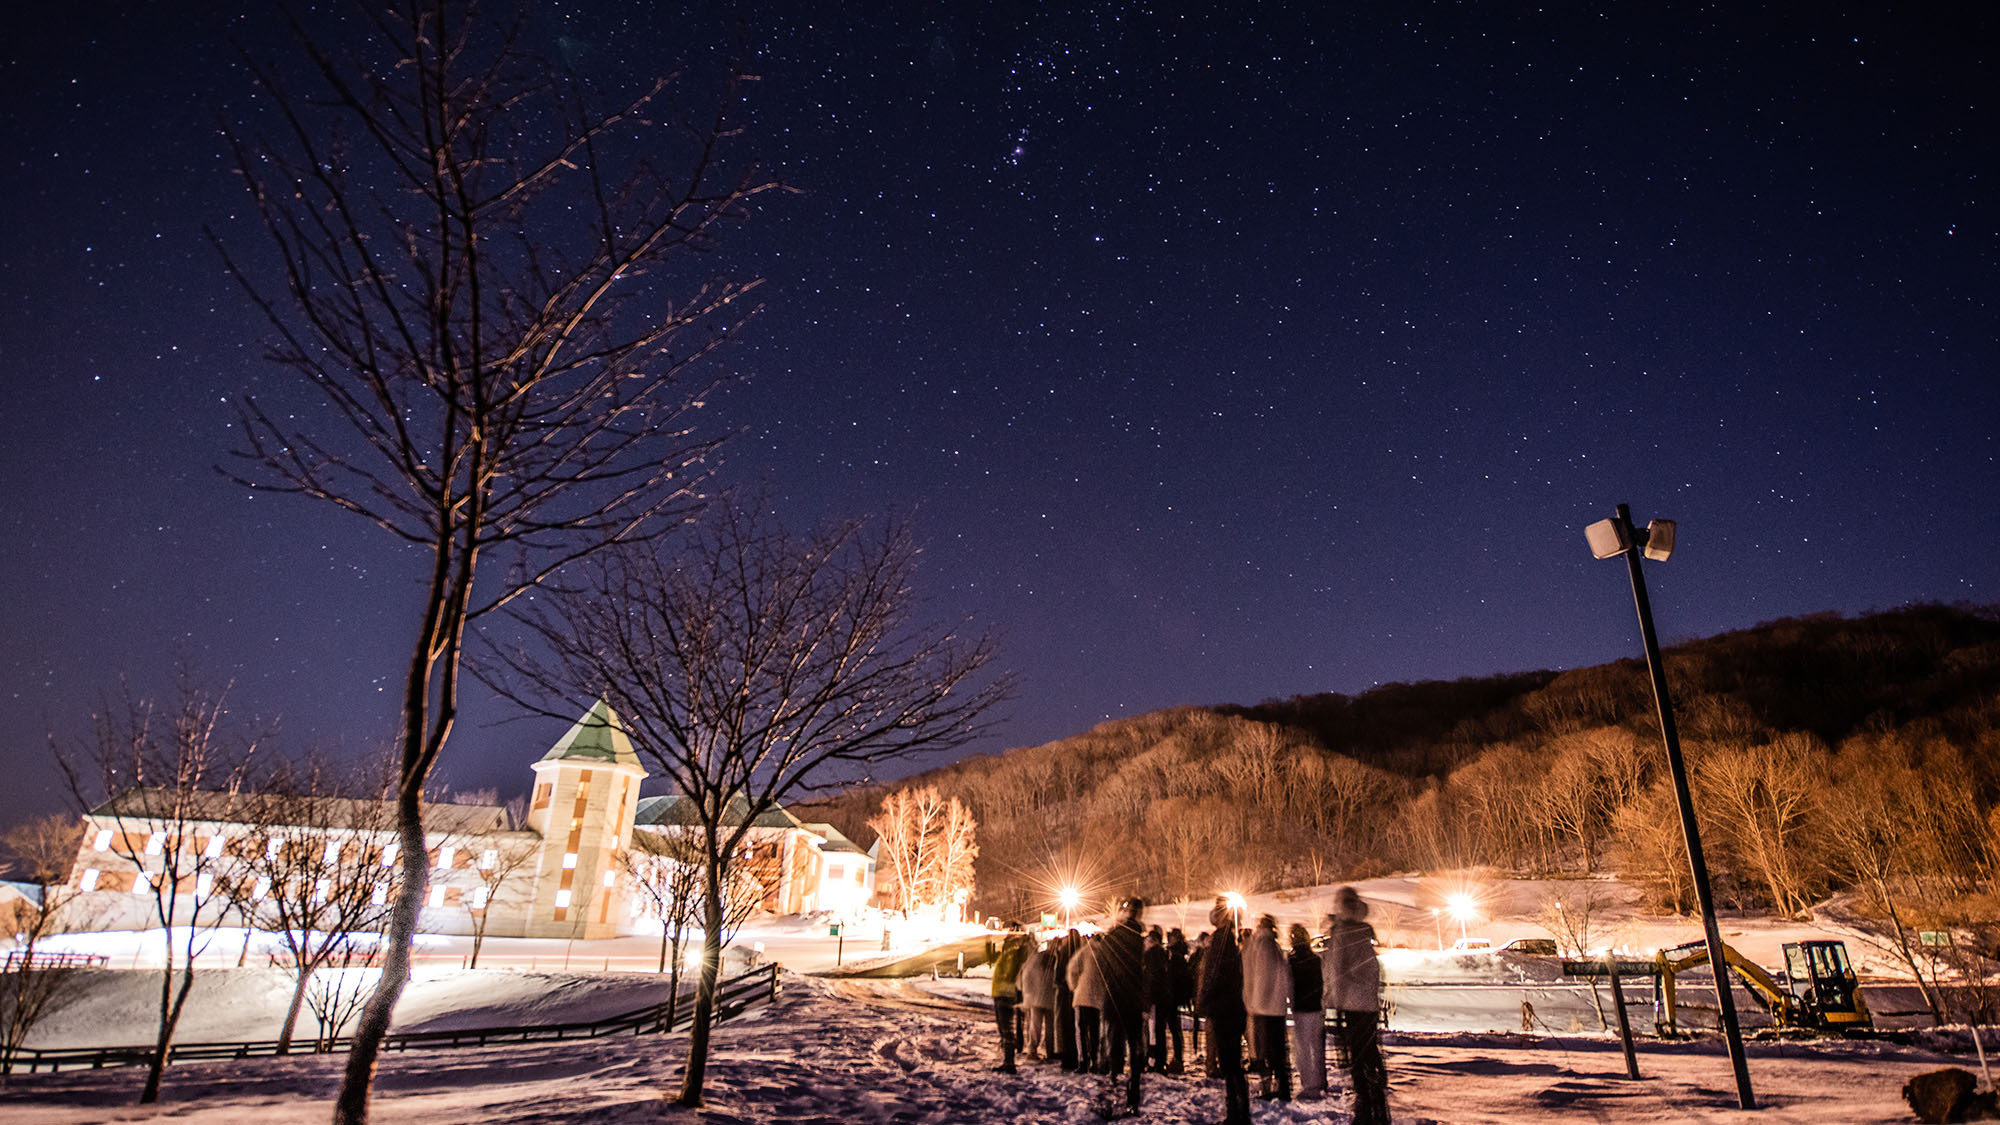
{"x":564,"y":873}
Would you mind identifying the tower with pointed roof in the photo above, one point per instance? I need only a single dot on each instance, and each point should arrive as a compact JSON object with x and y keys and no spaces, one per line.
{"x":586,"y":791}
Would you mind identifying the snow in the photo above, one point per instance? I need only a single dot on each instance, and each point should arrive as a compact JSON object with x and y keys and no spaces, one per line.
{"x":874,"y":1051}
{"x":922,"y":1051}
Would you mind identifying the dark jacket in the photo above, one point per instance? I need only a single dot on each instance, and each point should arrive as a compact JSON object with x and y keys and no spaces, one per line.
{"x":1121,"y":958}
{"x":1181,"y":972}
{"x":1306,"y":979}
{"x":1220,"y":995}
{"x":1159,"y":980}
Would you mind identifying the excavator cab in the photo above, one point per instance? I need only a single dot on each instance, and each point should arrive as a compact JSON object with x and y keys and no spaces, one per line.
{"x":1823,"y":984}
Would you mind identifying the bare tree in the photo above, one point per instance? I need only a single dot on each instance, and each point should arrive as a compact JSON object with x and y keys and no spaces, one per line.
{"x":313,"y":870}
{"x":172,"y":786}
{"x":929,"y":843}
{"x":1769,"y":799}
{"x":473,"y":280}
{"x":753,"y":664}
{"x":44,"y":852}
{"x":665,"y":868}
{"x":504,"y":867}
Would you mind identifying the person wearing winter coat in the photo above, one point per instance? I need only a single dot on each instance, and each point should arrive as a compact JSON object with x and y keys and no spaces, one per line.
{"x":1086,"y":982}
{"x":1007,"y":996}
{"x":1267,"y":994}
{"x":1219,"y":999}
{"x":1180,"y":993}
{"x":1038,"y":996}
{"x":1159,"y":996}
{"x":1121,"y":962}
{"x":1308,"y":1018}
{"x":1353,"y":989}
{"x":1065,"y":956}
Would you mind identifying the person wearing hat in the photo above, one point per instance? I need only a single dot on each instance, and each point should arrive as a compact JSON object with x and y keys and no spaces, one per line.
{"x":1219,"y":998}
{"x":1353,"y":988}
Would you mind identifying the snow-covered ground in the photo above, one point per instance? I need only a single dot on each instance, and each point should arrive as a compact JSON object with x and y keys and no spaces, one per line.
{"x":864,"y":1051}
{"x":845,"y":1052}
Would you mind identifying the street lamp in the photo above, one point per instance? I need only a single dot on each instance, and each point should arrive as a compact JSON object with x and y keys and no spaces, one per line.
{"x":1069,"y":899}
{"x":1460,"y":907}
{"x":1617,"y":536}
{"x":1234,"y":900}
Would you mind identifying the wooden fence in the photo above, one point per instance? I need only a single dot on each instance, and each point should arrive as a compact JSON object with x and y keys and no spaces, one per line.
{"x":732,"y":997}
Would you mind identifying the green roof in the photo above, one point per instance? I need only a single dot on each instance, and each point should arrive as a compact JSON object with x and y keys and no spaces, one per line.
{"x":595,"y":738}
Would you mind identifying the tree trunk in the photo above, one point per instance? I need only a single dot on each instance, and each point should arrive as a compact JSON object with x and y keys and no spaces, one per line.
{"x":171,"y":1003}
{"x":704,"y":993}
{"x":300,"y":982}
{"x":351,"y":1108}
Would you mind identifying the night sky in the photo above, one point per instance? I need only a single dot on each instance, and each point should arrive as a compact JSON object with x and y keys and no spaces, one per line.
{"x":1218,"y":356}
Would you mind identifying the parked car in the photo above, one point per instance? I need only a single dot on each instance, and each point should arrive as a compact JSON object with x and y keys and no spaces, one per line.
{"x":1531,"y":947}
{"x":1472,"y":945}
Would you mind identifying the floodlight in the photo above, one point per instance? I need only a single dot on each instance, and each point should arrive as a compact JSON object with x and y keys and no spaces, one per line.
{"x":1607,"y":538}
{"x":1659,"y":539}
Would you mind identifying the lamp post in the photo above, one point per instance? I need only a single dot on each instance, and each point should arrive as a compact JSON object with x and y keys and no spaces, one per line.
{"x":1437,"y":920}
{"x":1617,"y":536}
{"x":1070,"y":898}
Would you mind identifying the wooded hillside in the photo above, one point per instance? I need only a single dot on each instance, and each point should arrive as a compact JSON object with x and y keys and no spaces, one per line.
{"x":1827,"y":753}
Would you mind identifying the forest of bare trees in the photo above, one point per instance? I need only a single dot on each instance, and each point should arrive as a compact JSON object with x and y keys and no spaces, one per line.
{"x":1856,"y":759}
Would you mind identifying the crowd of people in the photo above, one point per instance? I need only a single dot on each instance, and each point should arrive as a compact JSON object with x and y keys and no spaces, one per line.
{"x":1111,"y":1003}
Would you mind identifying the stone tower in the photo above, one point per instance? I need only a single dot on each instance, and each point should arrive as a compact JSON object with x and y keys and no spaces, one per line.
{"x":586,"y":788}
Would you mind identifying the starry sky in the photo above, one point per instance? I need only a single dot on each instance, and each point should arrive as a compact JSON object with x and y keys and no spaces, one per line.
{"x":1216,"y":355}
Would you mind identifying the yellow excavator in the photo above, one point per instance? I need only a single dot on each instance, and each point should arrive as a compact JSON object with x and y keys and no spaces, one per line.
{"x":1820,"y":991}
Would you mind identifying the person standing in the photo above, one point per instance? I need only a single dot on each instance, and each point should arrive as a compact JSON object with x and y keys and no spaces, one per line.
{"x":1067,"y":948}
{"x":1180,"y":993}
{"x":1086,"y":982}
{"x":1158,"y":992}
{"x":1219,"y":999}
{"x":1308,"y":1016}
{"x":1354,"y":990}
{"x":1267,"y":994}
{"x":1121,"y":961}
{"x":1007,"y":996}
{"x":1038,"y":996}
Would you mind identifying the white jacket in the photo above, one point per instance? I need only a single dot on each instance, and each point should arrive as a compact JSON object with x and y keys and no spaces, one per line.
{"x":1267,"y":979}
{"x":1353,"y":975}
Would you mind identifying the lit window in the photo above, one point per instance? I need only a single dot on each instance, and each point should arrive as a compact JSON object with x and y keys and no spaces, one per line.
{"x":142,"y":884}
{"x":103,"y":841}
{"x":272,"y":848}
{"x":261,"y":891}
{"x":835,"y":871}
{"x":569,"y":861}
{"x":203,"y":883}
{"x":437,"y":896}
{"x":89,"y":880}
{"x":215,"y":845}
{"x":389,"y":852}
{"x":446,"y":854}
{"x":488,"y":858}
{"x":333,"y":851}
{"x":320,"y":891}
{"x":562,"y":899}
{"x":156,"y":843}
{"x":610,"y":878}
{"x":479,"y":895}
{"x":381,"y":894}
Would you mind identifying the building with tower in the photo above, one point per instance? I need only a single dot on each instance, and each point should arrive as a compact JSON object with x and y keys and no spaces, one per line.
{"x":560,"y":871}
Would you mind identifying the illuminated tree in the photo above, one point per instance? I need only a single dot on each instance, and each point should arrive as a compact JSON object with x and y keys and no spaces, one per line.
{"x":491,"y":297}
{"x":928,"y":845}
{"x":44,"y":850}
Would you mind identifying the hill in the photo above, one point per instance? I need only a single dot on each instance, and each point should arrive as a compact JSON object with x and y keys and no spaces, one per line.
{"x":1827,"y":752}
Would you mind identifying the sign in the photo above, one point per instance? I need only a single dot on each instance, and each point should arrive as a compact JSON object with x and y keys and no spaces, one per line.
{"x":833,"y":930}
{"x":1934,"y":937}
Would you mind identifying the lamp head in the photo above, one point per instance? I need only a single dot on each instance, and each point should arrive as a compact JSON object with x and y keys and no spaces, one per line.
{"x":1606,"y":538}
